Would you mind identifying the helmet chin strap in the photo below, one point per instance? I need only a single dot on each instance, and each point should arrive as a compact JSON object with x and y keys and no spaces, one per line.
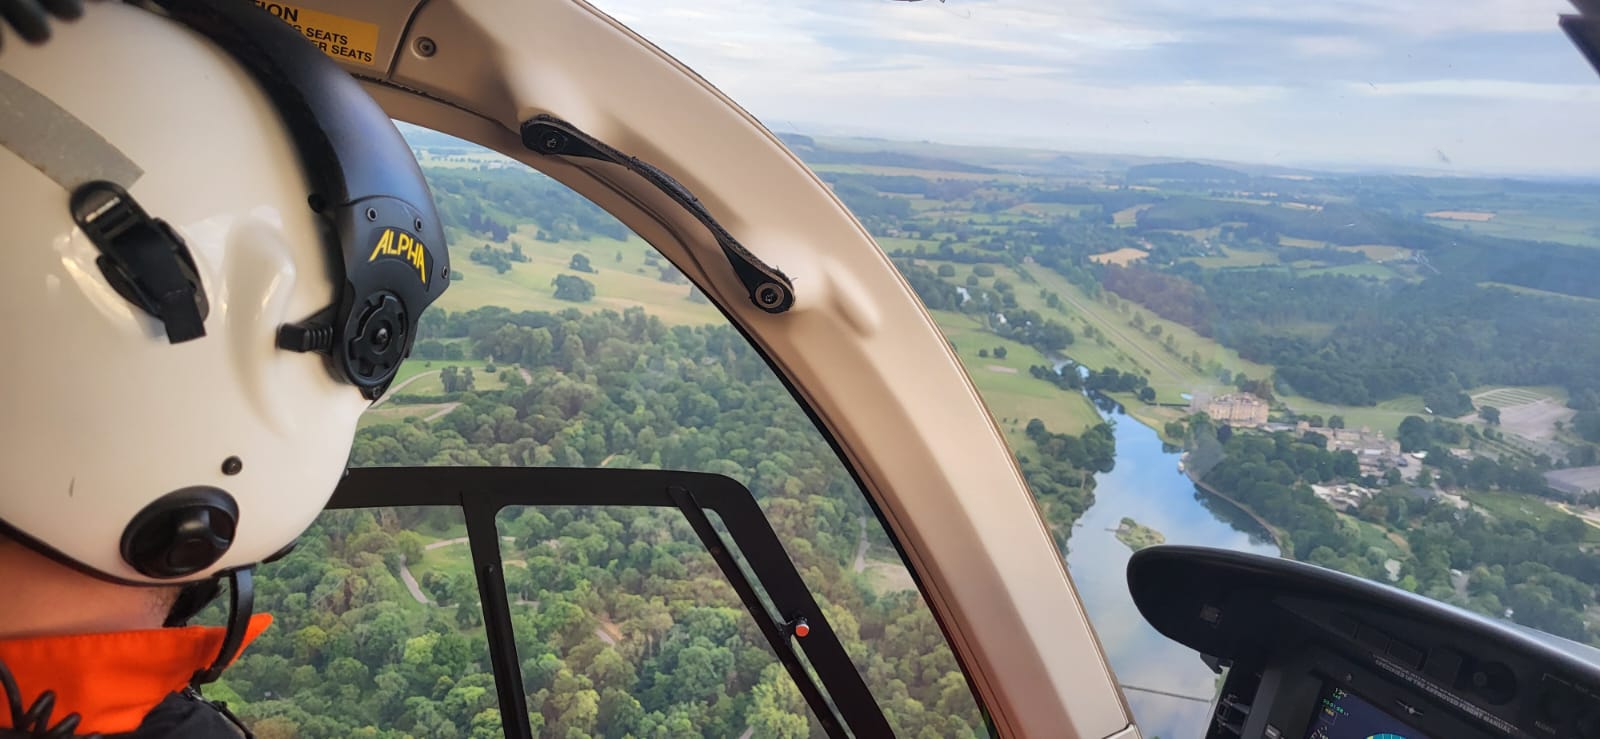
{"x":241,"y":605}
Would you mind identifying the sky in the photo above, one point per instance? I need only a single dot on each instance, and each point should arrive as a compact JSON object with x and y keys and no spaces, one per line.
{"x":1453,"y":86}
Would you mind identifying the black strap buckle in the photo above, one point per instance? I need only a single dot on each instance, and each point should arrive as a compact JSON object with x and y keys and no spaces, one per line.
{"x":145,"y":261}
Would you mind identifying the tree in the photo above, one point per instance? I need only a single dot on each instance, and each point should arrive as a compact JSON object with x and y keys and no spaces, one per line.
{"x":580,"y":263}
{"x":947,"y":270}
{"x":1335,"y":422}
{"x":983,"y":353}
{"x":430,"y":349}
{"x":1147,"y":394}
{"x":999,"y":352}
{"x":1490,"y":415}
{"x":573,"y":288}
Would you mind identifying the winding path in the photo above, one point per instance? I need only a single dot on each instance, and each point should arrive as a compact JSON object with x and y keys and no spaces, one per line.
{"x":411,"y":582}
{"x":395,"y":390}
{"x":861,"y":548}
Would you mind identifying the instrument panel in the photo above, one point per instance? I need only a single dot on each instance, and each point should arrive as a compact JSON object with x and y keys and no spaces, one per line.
{"x":1317,"y":654}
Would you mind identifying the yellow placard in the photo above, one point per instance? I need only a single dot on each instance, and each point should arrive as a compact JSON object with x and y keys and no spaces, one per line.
{"x":344,"y":39}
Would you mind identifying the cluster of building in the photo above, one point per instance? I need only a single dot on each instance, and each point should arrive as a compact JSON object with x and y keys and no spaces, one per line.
{"x":1375,"y":453}
{"x":1343,"y":497}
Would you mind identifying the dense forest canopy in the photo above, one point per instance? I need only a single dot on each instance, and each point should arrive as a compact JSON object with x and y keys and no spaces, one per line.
{"x":1375,"y":340}
{"x":602,"y":389}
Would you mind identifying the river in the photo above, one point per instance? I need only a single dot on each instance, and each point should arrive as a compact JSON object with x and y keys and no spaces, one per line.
{"x":1146,"y":486}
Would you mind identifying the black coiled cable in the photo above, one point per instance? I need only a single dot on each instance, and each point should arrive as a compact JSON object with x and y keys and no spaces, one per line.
{"x":35,"y":720}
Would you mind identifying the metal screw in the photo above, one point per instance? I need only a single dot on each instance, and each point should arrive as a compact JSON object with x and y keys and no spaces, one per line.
{"x":232,"y":466}
{"x":553,"y":141}
{"x":446,"y":273}
{"x":418,"y":224}
{"x":425,"y":46}
{"x":769,"y":295}
{"x":372,"y":214}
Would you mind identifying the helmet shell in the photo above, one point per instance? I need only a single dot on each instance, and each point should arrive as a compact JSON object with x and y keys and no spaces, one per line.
{"x":103,"y":415}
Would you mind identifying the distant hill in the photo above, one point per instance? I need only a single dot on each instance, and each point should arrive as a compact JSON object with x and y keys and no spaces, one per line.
{"x":812,"y":153}
{"x":1185,"y":172}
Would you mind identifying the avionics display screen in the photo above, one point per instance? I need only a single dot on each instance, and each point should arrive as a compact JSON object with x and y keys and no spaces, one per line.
{"x":1343,"y":715}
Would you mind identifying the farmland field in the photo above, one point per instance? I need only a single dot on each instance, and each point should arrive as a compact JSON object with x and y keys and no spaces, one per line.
{"x":1121,"y":257}
{"x":1235,"y":258}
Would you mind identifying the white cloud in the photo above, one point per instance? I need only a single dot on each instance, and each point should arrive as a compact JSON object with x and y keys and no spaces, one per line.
{"x":1488,"y":90}
{"x":1361,"y":81}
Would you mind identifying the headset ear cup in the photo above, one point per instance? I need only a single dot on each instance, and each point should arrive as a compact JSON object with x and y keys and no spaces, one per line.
{"x":192,"y":599}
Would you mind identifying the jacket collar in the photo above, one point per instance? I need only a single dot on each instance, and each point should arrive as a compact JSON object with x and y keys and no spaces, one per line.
{"x":113,"y":680}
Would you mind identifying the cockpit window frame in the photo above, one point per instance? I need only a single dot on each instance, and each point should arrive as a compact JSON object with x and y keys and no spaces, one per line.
{"x":838,"y":697}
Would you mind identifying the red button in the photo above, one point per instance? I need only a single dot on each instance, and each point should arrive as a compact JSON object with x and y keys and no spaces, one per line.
{"x":801,"y":629}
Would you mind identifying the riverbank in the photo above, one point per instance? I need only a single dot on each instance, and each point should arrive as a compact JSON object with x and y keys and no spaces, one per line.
{"x":1146,"y":487}
{"x":1279,"y":536}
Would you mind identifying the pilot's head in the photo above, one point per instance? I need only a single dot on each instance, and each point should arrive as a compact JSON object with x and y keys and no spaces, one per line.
{"x":162,"y":227}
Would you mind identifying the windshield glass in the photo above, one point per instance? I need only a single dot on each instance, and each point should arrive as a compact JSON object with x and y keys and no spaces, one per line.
{"x":566,"y":341}
{"x":1315,"y":280}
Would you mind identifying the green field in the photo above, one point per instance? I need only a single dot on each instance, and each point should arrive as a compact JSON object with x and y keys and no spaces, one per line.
{"x":1378,"y":252}
{"x":1533,"y":225}
{"x":397,"y":412}
{"x":1128,"y":216}
{"x":1375,"y":271}
{"x":415,"y":366}
{"x":1538,"y":292}
{"x":1051,"y":209}
{"x":1133,"y":349}
{"x":449,"y":560}
{"x":1372,"y":535}
{"x":1013,"y":396}
{"x":1526,"y":508}
{"x":618,"y":284}
{"x":1235,"y":258}
{"x":430,"y":383}
{"x":1385,"y":416}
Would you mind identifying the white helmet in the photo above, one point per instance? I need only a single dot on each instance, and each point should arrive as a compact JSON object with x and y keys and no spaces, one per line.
{"x":193,"y":211}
